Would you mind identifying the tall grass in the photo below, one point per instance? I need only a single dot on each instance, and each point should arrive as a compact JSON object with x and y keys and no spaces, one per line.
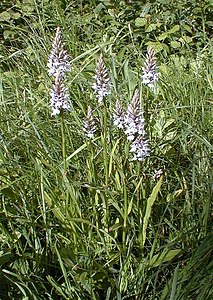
{"x":88,"y":222}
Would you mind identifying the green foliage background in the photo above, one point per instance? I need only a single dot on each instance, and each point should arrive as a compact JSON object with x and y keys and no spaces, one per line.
{"x":105,"y":228}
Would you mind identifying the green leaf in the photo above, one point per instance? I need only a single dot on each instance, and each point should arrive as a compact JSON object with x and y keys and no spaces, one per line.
{"x":174,"y":283}
{"x":157,"y":46}
{"x":165,"y":2}
{"x":185,"y":39}
{"x":112,"y":156}
{"x":210,"y":2}
{"x":174,"y":29}
{"x":118,"y":181}
{"x":165,"y":47}
{"x":116,"y":206}
{"x":175,"y":44}
{"x":187,"y":27}
{"x":8,"y":192}
{"x":6,"y":257}
{"x":5,"y":16}
{"x":56,"y":211}
{"x":165,"y":256}
{"x":150,"y":202}
{"x":78,"y":150}
{"x":8,"y":34}
{"x":130,"y":207}
{"x":16,"y":15}
{"x":63,"y":269}
{"x":116,"y":226}
{"x":57,"y":286}
{"x":151,"y":28}
{"x":166,"y":34}
{"x":209,"y":23}
{"x":140,"y":22}
{"x":163,"y":36}
{"x":168,"y":123}
{"x":28,"y":8}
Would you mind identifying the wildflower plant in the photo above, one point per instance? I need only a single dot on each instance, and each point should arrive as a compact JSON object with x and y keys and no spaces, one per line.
{"x":102,"y":84}
{"x":150,"y":74}
{"x":58,"y":65}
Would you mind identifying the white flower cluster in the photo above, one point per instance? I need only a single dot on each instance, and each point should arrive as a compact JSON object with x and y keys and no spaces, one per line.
{"x":149,"y":78}
{"x":118,"y":115}
{"x":58,"y":64}
{"x":133,"y":125}
{"x":102,"y":84}
{"x":59,"y":96}
{"x":157,"y":174}
{"x":134,"y":121}
{"x":139,"y":148}
{"x":150,"y":74}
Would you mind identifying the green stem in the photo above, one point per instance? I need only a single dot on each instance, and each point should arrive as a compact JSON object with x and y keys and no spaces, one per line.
{"x":105,"y":160}
{"x":125,"y":216}
{"x":93,"y":181}
{"x":64,"y":157}
{"x":64,"y":150}
{"x":105,"y":145}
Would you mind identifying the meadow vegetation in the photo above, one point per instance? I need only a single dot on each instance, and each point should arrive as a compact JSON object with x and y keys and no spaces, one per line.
{"x":79,"y":217}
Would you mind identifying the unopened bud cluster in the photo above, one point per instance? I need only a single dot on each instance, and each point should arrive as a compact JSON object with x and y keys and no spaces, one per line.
{"x":90,"y":126}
